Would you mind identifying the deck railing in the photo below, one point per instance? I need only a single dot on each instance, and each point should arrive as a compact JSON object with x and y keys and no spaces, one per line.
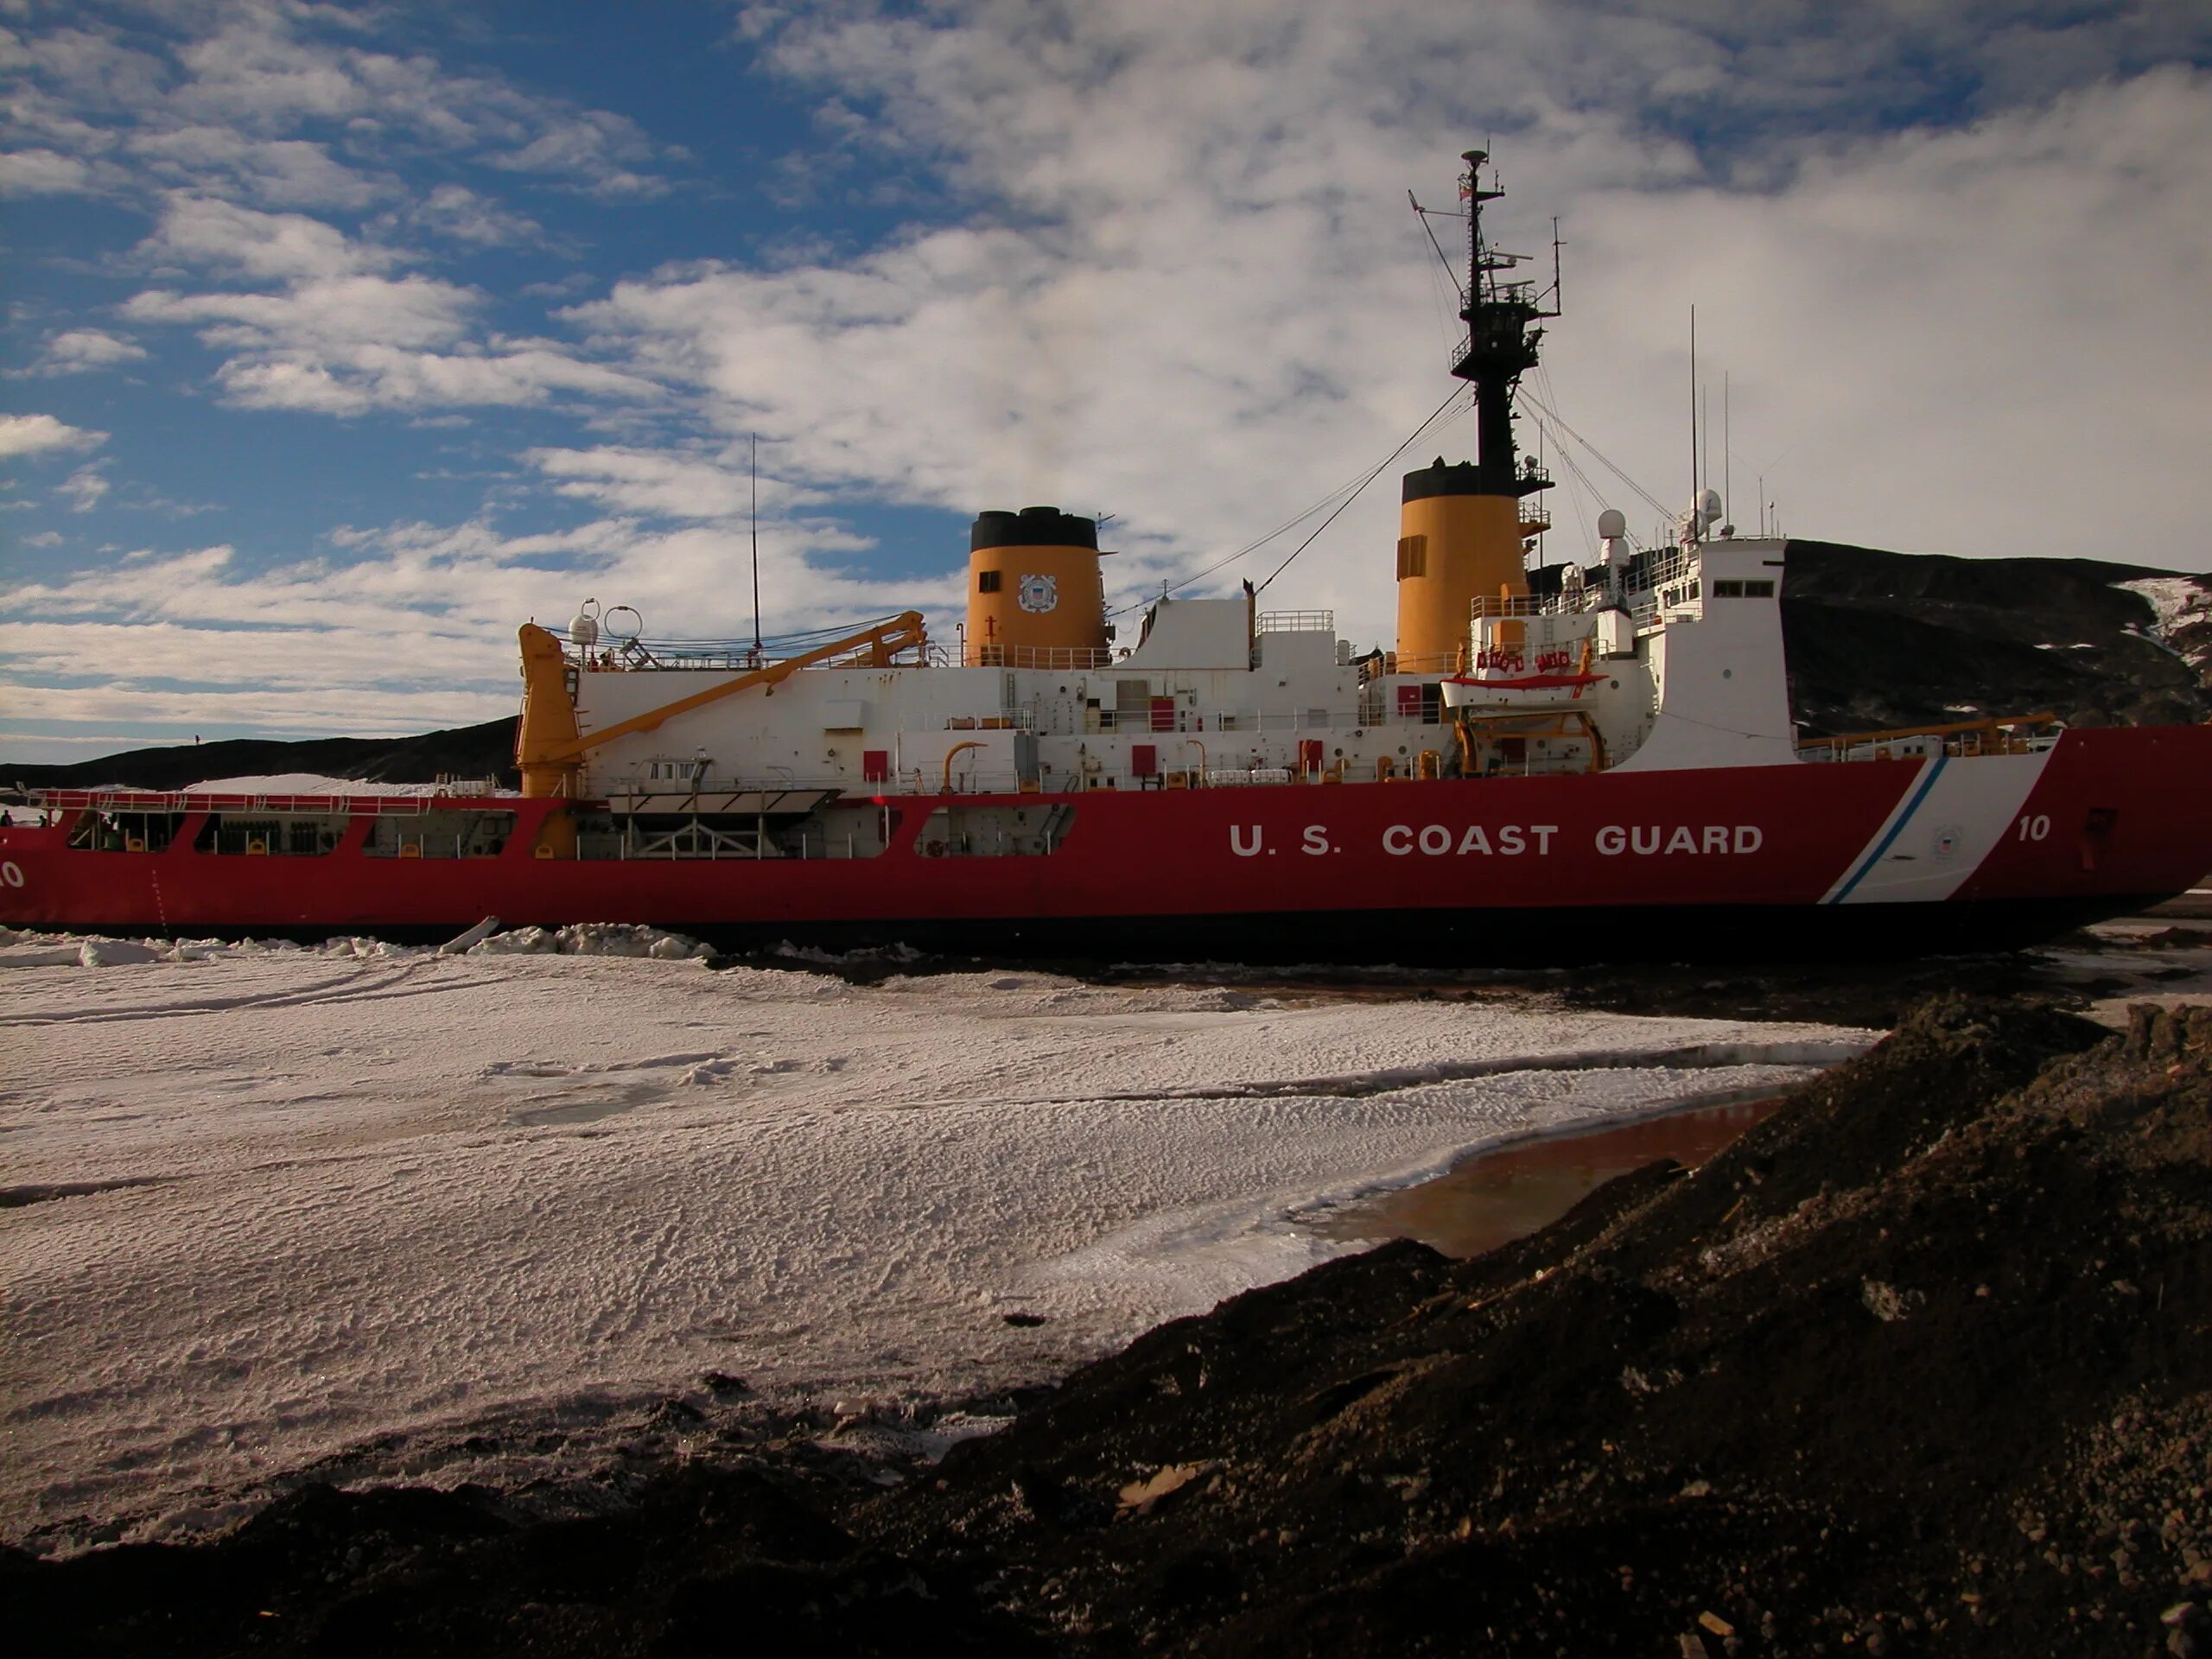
{"x":121,"y":800}
{"x":2020,"y":735}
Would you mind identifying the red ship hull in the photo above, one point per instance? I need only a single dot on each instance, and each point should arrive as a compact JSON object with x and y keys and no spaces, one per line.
{"x":1886,"y":857}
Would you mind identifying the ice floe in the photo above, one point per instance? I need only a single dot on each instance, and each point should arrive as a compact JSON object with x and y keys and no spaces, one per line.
{"x":272,"y":1203}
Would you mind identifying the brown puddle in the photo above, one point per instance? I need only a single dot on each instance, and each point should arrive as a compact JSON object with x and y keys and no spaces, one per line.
{"x":1497,"y":1196}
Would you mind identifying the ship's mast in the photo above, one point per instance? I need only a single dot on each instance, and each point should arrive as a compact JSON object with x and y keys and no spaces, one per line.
{"x":1465,"y":528}
{"x":1500,"y":316}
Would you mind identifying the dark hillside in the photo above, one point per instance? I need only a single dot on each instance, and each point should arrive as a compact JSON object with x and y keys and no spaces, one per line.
{"x":469,"y":751}
{"x":1878,"y":640}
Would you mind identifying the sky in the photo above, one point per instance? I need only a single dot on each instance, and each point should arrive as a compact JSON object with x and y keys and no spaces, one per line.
{"x":341,"y":339}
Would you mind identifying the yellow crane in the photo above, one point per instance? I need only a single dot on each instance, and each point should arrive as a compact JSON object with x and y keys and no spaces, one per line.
{"x":549,"y":750}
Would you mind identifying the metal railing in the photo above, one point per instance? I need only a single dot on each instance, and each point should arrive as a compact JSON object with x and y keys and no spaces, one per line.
{"x":716,"y":656}
{"x":1297,"y":622}
{"x":118,"y":800}
{"x":1057,"y":657}
{"x":2021,"y":734}
{"x":1486,"y":605}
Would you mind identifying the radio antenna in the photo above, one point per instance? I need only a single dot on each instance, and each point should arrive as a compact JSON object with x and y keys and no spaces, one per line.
{"x":1693,"y":480}
{"x":756,"y":544}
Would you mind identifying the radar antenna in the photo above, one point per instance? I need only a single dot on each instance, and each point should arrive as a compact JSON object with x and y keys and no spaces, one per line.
{"x":1501,"y":315}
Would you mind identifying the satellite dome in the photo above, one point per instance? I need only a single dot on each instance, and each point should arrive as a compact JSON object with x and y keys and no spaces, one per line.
{"x":1612,"y":522}
{"x":583,"y":628}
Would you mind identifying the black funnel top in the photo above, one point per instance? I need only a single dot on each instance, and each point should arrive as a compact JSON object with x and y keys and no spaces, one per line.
{"x":1446,"y":478}
{"x":1032,"y":527}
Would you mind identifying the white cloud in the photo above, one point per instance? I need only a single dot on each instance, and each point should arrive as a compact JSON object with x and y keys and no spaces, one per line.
{"x":455,"y":211}
{"x":201,"y":230}
{"x":595,"y":147}
{"x":332,"y":315}
{"x":79,"y":350}
{"x":352,"y":378}
{"x":400,"y":627}
{"x":34,"y":435}
{"x":1215,"y":305}
{"x":1161,"y":266}
{"x":42,"y":173}
{"x":275,"y":172}
{"x":84,"y":487}
{"x":655,"y":482}
{"x":226,"y":106}
{"x":339,"y":337}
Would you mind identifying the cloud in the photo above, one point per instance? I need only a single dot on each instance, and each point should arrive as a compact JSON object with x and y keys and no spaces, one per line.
{"x":455,"y":211}
{"x":84,"y":487}
{"x":1152,"y":260}
{"x":35,"y":434}
{"x":274,"y":172}
{"x":331,"y":315}
{"x":201,"y":230}
{"x":655,"y":482}
{"x":332,"y":376}
{"x":43,"y":173}
{"x":1187,"y":289}
{"x":338,"y":337}
{"x":237,"y":99}
{"x":80,"y":350}
{"x":395,"y":628}
{"x":595,"y":147}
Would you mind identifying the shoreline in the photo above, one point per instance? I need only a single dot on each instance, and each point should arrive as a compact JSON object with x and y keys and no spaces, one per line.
{"x":1407,"y":1211}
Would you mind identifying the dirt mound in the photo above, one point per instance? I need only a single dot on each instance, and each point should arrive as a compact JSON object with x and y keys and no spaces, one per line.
{"x":1919,"y":1365}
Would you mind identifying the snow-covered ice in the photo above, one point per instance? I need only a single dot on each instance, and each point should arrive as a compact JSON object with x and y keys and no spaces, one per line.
{"x":310,"y":1199}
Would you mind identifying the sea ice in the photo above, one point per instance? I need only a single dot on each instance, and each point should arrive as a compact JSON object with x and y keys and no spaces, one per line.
{"x":386,"y":1191}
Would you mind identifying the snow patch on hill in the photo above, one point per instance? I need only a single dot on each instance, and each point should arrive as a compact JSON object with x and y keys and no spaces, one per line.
{"x":2183,"y":608}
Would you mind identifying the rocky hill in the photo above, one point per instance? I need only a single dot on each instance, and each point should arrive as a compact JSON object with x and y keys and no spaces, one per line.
{"x":1875,"y":640}
{"x":1878,"y":640}
{"x":469,"y":751}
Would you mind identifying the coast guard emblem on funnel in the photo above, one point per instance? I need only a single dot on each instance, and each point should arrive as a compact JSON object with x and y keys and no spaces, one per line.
{"x":1038,"y":593}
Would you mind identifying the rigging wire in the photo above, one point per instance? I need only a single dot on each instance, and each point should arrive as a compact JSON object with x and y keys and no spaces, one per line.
{"x":1411,"y":438}
{"x":1344,"y":495}
{"x":1450,"y":270}
{"x":1544,"y":409}
{"x":797,"y":638}
{"x":1580,"y":481}
{"x":1452,"y":328}
{"x":1577,"y":480}
{"x":1289,"y":524}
